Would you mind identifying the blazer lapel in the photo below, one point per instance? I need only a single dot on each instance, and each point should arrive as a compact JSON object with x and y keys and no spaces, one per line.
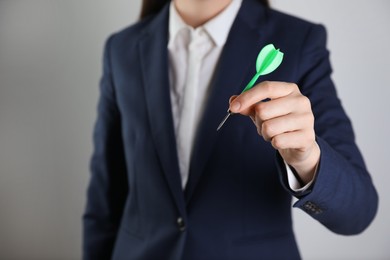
{"x":238,"y":56}
{"x":154,"y":62}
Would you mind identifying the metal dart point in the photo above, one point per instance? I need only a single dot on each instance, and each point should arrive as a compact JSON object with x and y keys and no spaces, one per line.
{"x":224,"y":119}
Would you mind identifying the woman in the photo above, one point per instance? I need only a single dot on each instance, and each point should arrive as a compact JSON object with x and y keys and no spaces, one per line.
{"x":166,"y":185}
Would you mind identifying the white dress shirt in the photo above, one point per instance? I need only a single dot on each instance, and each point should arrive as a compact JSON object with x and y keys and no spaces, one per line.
{"x":193,"y":56}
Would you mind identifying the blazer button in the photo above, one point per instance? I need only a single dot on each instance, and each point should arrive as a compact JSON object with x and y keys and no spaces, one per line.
{"x":312,"y":208}
{"x":180,"y":224}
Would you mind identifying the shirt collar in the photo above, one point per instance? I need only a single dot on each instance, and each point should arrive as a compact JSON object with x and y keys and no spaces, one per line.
{"x":218,"y":27}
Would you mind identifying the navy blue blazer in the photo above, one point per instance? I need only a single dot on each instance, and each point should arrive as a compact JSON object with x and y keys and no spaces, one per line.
{"x":237,"y":204}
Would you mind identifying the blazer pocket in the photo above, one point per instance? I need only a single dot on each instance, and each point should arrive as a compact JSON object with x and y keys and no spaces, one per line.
{"x":125,"y":232}
{"x":128,"y":246}
{"x":131,"y":222}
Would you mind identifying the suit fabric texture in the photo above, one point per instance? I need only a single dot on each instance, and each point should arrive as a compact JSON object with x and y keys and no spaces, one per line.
{"x":237,"y":202}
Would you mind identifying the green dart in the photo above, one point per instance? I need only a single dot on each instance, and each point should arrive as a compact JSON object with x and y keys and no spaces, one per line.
{"x":267,"y":61}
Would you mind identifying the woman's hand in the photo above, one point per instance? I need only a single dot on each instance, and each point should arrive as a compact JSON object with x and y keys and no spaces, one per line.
{"x":286,"y":120}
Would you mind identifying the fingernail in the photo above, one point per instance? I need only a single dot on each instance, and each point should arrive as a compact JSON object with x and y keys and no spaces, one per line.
{"x":235,"y":106}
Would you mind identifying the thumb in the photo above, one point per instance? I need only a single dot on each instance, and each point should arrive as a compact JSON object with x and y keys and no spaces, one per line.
{"x":232,"y":98}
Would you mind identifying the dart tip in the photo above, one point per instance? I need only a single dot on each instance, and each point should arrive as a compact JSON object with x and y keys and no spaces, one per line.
{"x":224,"y":120}
{"x":219,"y":127}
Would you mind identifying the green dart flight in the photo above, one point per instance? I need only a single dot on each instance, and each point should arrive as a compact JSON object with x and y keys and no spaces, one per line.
{"x":267,"y":61}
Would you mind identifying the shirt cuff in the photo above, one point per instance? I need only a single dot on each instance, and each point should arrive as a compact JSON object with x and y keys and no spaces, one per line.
{"x":294,"y":183}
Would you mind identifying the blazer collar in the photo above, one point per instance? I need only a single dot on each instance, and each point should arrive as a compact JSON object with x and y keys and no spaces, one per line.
{"x":235,"y":68}
{"x":154,"y":63}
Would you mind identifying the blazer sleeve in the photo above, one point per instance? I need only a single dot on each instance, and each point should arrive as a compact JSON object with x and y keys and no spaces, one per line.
{"x":343,"y":197}
{"x":108,"y":186}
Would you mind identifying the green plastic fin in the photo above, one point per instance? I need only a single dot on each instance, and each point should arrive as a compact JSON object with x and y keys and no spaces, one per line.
{"x":268,"y":60}
{"x":263,"y":54}
{"x":273,"y":63}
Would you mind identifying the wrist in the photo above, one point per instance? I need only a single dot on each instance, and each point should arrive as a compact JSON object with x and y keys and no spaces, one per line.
{"x":306,"y":169}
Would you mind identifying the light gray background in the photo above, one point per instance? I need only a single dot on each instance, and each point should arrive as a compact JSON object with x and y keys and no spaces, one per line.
{"x":50,"y":64}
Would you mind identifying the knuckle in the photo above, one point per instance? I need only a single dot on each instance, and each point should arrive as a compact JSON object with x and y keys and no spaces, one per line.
{"x":267,"y":128}
{"x":267,"y":85}
{"x":308,"y":140}
{"x":261,"y":110}
{"x":311,"y":137}
{"x":310,"y":118}
{"x":294,"y":86}
{"x":278,"y":142}
{"x":304,"y":102}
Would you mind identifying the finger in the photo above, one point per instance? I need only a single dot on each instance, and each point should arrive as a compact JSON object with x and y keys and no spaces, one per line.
{"x":232,"y":98}
{"x":258,"y":123}
{"x":299,"y":140}
{"x":284,"y":124}
{"x":282,"y":106}
{"x":263,"y":90}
